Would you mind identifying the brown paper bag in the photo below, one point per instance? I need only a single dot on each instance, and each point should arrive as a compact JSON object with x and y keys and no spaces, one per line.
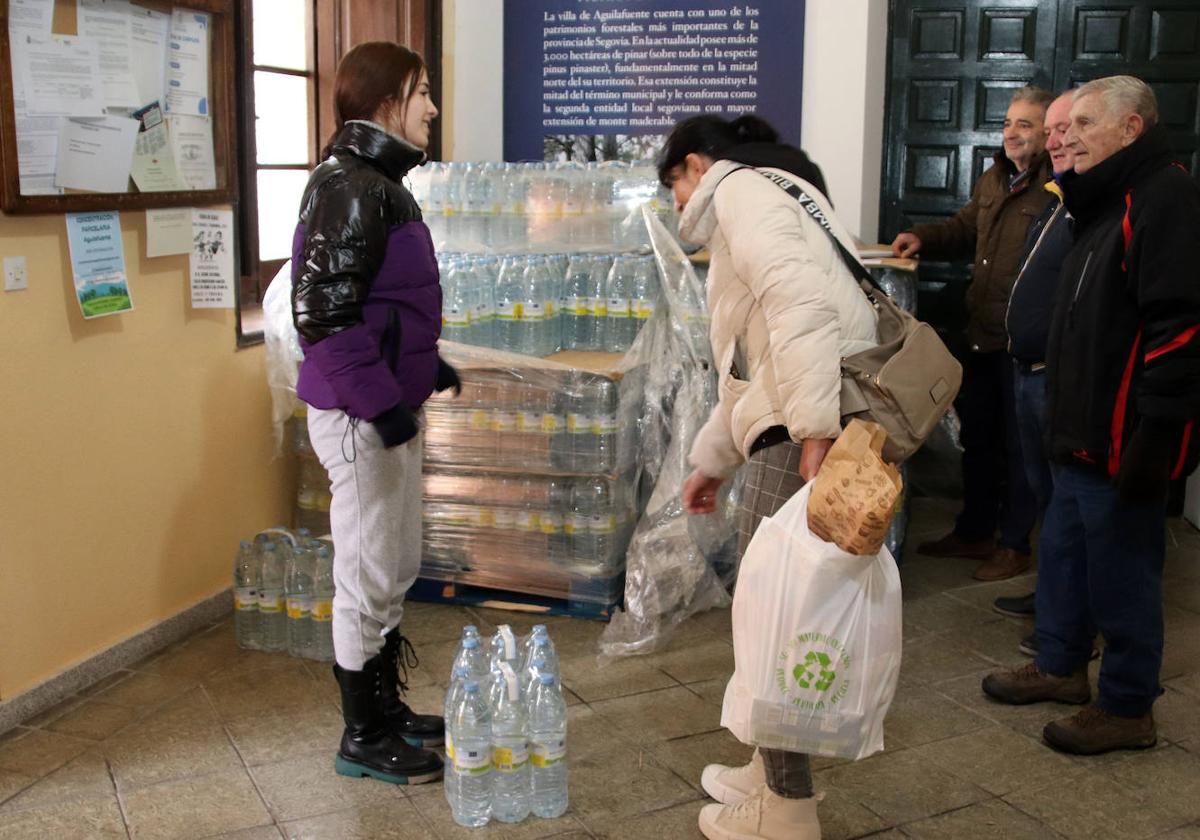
{"x":855,"y":492}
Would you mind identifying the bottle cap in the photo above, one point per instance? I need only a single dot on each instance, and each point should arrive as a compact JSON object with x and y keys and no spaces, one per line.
{"x":471,"y":687}
{"x":546,"y":679}
{"x":247,"y":544}
{"x":538,"y":663}
{"x":470,"y":643}
{"x":269,"y":546}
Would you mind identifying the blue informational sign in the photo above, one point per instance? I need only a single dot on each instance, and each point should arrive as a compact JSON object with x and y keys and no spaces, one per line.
{"x":636,"y":67}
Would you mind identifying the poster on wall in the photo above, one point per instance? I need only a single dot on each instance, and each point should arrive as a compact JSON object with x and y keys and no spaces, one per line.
{"x":211,"y":260}
{"x":607,"y":79}
{"x":98,"y":263}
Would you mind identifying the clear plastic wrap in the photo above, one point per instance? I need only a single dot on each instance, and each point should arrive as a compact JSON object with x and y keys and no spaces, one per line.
{"x":283,"y":353}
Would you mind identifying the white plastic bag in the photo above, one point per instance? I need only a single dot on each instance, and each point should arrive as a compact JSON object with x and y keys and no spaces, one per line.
{"x":817,"y":641}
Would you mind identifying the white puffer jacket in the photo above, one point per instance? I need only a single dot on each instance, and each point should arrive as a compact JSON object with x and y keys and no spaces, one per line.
{"x":785,"y":311}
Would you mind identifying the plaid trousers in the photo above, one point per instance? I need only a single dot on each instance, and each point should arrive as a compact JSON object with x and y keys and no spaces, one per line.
{"x":773,"y":477}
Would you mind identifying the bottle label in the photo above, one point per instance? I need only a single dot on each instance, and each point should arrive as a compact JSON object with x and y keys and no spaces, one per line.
{"x":483,"y":312}
{"x":548,"y":753}
{"x":602,"y":524}
{"x":504,"y":421}
{"x":576,"y":523}
{"x":553,"y":423}
{"x":644,"y":309}
{"x":551,"y":522}
{"x":504,"y":518}
{"x":598,"y":307}
{"x":528,"y":520}
{"x":456,"y":317}
{"x":449,"y":747}
{"x":270,"y":602}
{"x":482,"y":517}
{"x":533,"y":310}
{"x":298,"y":608}
{"x":510,"y":759}
{"x":618,"y":307}
{"x":579,"y":424}
{"x":580,"y":307}
{"x":479,"y":420}
{"x":551,"y":308}
{"x":604,"y":424}
{"x":474,"y":762}
{"x":508,"y":311}
{"x":528,"y":421}
{"x":245,"y":599}
{"x":322,"y":610}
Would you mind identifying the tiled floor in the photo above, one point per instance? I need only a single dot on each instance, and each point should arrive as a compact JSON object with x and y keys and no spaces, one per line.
{"x":206,"y":740}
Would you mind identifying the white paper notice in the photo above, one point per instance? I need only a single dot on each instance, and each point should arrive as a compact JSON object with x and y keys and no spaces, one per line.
{"x":192,"y":144}
{"x":168,"y":231}
{"x":153,"y":168}
{"x":212,"y":259}
{"x":30,"y":16}
{"x":148,"y":39}
{"x":107,"y":22}
{"x":60,"y":76}
{"x":96,"y":154}
{"x":187,"y":63}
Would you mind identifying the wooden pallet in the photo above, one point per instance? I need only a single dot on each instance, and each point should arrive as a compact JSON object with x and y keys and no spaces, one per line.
{"x":470,"y":595}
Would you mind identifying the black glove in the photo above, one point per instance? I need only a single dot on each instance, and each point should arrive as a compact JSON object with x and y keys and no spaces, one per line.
{"x":447,"y":377}
{"x":1145,"y":471}
{"x":397,"y":425}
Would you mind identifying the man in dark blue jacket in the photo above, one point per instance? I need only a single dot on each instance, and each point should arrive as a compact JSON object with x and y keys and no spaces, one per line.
{"x":1028,"y":326}
{"x":1122,"y":394}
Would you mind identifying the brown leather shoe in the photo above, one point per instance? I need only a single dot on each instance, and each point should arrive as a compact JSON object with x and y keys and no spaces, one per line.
{"x":1094,"y":731}
{"x":952,"y":545}
{"x":1019,"y":686}
{"x":1004,"y":563}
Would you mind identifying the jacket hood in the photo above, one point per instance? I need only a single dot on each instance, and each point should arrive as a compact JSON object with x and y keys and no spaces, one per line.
{"x":779,"y":156}
{"x":699,"y":218}
{"x":1089,"y":195}
{"x":372,"y":143}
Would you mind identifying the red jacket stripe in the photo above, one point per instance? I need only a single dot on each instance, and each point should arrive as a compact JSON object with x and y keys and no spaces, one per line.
{"x":1118,"y":421}
{"x":1127,"y":228}
{"x":1183,"y":451}
{"x":1174,"y":344}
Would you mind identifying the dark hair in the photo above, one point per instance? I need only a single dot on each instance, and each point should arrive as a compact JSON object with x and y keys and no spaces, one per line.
{"x":368,"y":76}
{"x":713,"y":136}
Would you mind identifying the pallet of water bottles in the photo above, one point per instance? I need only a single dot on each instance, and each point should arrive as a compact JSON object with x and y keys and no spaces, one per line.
{"x":283,"y":594}
{"x":506,"y":729}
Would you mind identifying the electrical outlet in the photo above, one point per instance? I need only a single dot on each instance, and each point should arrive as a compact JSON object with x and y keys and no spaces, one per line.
{"x":16,"y":277}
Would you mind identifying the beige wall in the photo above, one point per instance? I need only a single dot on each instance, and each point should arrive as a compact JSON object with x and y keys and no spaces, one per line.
{"x":136,"y":452}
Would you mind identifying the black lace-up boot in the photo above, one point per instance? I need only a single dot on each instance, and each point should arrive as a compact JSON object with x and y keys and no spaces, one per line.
{"x":369,"y":748}
{"x":419,"y":730}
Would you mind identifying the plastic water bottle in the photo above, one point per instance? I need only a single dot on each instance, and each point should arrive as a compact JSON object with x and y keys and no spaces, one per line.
{"x":454,"y":694}
{"x":472,"y":657}
{"x":530,"y":674}
{"x":548,"y":748}
{"x":577,"y":325}
{"x":604,"y":425}
{"x":245,"y":597}
{"x":646,"y":291}
{"x":321,"y":612}
{"x":598,"y":302}
{"x":298,"y":590}
{"x":543,"y":650}
{"x":579,"y":425}
{"x":509,"y":305}
{"x":510,"y":750}
{"x":483,"y":315}
{"x":272,"y":617}
{"x":471,"y":731}
{"x":456,"y":303}
{"x":592,"y":520}
{"x":527,"y":643}
{"x":532,"y":332}
{"x":620,"y":292}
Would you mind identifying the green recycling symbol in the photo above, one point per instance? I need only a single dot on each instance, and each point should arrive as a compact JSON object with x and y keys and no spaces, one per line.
{"x":814,"y":672}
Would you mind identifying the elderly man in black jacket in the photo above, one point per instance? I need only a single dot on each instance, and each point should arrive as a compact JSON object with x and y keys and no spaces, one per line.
{"x":1123,"y":392}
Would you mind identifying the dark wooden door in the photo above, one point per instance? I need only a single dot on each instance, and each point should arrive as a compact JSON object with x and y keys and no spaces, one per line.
{"x":954,"y":65}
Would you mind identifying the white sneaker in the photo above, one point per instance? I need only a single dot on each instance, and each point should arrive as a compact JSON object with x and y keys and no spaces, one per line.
{"x":730,"y":785}
{"x":762,"y":816}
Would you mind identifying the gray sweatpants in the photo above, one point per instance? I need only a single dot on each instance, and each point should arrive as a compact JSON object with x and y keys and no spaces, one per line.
{"x":773,"y":477}
{"x":375,"y":518}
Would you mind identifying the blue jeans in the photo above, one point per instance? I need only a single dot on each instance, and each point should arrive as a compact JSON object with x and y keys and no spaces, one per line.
{"x":1030,"y":398}
{"x":1101,"y":569}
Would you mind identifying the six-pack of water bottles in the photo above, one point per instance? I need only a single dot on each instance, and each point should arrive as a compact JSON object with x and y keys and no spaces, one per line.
{"x":283,"y":594}
{"x":506,"y":729}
